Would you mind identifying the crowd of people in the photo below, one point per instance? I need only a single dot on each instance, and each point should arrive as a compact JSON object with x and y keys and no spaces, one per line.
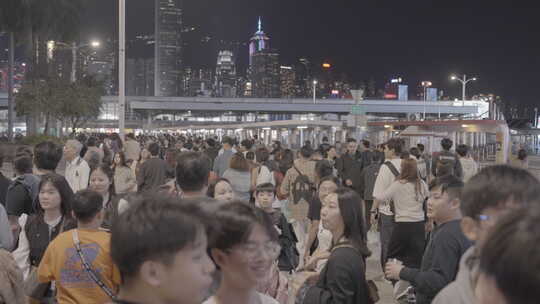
{"x":182,"y":219}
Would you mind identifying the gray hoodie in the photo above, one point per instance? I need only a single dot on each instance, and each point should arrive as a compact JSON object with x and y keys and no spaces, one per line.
{"x":460,"y":291}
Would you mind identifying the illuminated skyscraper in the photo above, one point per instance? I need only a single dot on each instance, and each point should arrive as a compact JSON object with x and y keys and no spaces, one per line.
{"x":225,"y":84}
{"x":168,"y":48}
{"x":265,"y":74}
{"x":259,"y":42}
{"x":288,"y":85}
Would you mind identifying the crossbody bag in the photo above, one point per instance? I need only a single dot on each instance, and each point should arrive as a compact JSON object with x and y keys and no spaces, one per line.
{"x":93,"y":275}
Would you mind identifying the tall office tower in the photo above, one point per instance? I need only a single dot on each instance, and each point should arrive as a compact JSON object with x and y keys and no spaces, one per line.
{"x":304,"y":78}
{"x":288,"y":85}
{"x":265,"y":74}
{"x":168,"y":48}
{"x":225,"y":85}
{"x":259,"y":42}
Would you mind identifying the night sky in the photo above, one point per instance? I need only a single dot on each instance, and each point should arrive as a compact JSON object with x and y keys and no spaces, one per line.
{"x":415,"y":39}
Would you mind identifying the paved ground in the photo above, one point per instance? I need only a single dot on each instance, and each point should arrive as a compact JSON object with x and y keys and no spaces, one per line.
{"x":374,"y":272}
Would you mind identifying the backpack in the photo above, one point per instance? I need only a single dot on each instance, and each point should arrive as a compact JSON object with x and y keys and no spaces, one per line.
{"x":30,"y":182}
{"x":302,"y":188}
{"x":395,"y":172}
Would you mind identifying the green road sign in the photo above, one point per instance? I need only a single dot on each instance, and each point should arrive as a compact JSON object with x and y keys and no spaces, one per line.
{"x":358,"y":110}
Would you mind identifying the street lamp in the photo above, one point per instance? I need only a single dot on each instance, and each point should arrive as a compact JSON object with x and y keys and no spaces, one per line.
{"x":464,"y":82}
{"x":74,"y":48}
{"x":426,"y":84}
{"x":314,"y":90}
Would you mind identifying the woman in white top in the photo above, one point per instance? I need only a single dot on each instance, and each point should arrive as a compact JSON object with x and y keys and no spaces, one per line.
{"x":244,"y":249}
{"x":408,"y":194}
{"x":239,"y":176}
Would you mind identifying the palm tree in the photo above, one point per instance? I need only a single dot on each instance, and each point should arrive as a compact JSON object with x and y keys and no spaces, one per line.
{"x":34,"y":22}
{"x":11,"y":12}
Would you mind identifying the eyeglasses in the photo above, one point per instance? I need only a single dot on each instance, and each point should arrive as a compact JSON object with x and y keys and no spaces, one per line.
{"x":253,"y":250}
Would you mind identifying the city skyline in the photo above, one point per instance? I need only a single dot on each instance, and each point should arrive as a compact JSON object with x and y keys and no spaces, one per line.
{"x":416,"y":41}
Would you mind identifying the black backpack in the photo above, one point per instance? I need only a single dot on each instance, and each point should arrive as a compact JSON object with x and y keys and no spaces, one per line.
{"x":302,"y":188}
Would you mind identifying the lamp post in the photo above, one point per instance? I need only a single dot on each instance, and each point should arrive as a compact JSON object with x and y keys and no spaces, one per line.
{"x":74,"y":48}
{"x":122,"y":68}
{"x":464,"y":82}
{"x":426,"y":84}
{"x":314,"y":90}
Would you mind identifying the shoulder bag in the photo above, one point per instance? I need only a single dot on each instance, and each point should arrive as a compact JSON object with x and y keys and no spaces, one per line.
{"x":93,"y":275}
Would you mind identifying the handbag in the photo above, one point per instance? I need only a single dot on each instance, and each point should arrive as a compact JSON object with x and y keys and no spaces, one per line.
{"x":31,"y":286}
{"x":88,"y":269}
{"x":372,"y":289}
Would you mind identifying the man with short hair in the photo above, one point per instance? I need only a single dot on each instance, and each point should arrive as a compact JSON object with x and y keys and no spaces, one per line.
{"x":349,"y":166}
{"x":221,"y":163}
{"x":63,"y":259}
{"x":158,"y":243}
{"x":446,"y":245}
{"x":381,"y":210}
{"x":77,"y":169}
{"x":153,"y":172}
{"x":245,"y":146}
{"x":488,"y":196}
{"x":192,"y":173}
{"x":446,"y":155}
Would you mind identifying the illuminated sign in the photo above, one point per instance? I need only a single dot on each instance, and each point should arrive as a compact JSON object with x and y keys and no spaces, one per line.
{"x":335,"y":92}
{"x":326,"y":65}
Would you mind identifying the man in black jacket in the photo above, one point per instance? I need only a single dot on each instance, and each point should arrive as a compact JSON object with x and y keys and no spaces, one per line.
{"x":446,"y":245}
{"x":449,"y":157}
{"x":349,"y":166}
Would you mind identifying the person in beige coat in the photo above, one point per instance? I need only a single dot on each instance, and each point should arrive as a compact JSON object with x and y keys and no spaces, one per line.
{"x":124,"y":179}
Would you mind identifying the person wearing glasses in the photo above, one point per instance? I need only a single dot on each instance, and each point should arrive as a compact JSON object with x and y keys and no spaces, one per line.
{"x":487,"y":197}
{"x":244,"y":249}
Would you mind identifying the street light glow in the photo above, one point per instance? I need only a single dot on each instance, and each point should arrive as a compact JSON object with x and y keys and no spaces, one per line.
{"x":314,"y":81}
{"x":95,"y":44}
{"x":453,"y":77}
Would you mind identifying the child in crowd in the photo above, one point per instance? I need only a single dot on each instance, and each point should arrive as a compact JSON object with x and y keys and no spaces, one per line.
{"x":276,"y":285}
{"x":160,"y":247}
{"x":79,"y":260}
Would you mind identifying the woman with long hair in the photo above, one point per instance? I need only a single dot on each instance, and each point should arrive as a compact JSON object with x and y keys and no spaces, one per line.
{"x":343,"y":278}
{"x":408,"y":194}
{"x":239,"y":175}
{"x":244,"y":249}
{"x":124,"y":179}
{"x":53,"y":217}
{"x":316,"y":256}
{"x":102,"y":181}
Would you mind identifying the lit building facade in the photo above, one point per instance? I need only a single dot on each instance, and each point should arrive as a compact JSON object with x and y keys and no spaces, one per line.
{"x":259,"y":42}
{"x":226,"y":80}
{"x":265,"y":74}
{"x":288,"y":82}
{"x":168,"y":48}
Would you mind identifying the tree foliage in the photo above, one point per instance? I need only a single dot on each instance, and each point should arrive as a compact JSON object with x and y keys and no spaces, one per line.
{"x":74,"y":104}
